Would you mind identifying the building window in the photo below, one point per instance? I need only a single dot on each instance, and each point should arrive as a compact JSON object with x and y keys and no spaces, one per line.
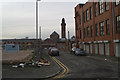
{"x":91,"y":30}
{"x":77,"y":14}
{"x":88,"y":31}
{"x":84,"y":32}
{"x":118,"y":24}
{"x":87,"y":14}
{"x":96,"y":29}
{"x":117,"y":2}
{"x":107,"y":27}
{"x":84,"y":16}
{"x":100,"y":7}
{"x":96,"y":9}
{"x":101,"y":28}
{"x":80,"y":19}
{"x":80,"y":34}
{"x":90,"y":12}
{"x":106,"y":6}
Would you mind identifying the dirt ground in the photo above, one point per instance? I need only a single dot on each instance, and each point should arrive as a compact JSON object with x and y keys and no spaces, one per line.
{"x":16,"y":56}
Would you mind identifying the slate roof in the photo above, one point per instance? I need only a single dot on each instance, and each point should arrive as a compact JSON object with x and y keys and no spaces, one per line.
{"x":54,"y":33}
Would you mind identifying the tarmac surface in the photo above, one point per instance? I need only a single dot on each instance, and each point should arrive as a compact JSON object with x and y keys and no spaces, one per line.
{"x":90,"y":67}
{"x":32,"y":72}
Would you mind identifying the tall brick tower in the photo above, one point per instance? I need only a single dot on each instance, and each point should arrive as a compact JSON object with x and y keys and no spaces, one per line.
{"x":63,"y":29}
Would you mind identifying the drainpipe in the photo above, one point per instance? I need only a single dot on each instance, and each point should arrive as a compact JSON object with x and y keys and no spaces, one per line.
{"x":113,"y":25}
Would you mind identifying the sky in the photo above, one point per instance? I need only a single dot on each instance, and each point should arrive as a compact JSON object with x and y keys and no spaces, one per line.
{"x":18,"y":18}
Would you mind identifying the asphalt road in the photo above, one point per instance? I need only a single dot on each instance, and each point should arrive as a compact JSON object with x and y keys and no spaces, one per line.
{"x":79,"y":67}
{"x":86,"y":67}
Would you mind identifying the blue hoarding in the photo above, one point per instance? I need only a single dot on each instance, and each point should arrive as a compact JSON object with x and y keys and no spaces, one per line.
{"x":11,"y":48}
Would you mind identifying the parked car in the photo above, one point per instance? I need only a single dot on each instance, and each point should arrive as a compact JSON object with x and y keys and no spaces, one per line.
{"x":79,"y":51}
{"x":54,"y":52}
{"x":49,"y":49}
{"x":73,"y":50}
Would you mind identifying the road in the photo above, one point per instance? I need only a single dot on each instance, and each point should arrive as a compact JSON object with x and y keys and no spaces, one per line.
{"x":87,"y":67}
{"x":73,"y":67}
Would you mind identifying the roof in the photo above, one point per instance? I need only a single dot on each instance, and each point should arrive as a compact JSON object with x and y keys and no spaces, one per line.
{"x":54,"y":33}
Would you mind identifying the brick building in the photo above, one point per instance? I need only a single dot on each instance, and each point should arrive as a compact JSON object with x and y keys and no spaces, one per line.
{"x":54,"y":36}
{"x":97,"y":27}
{"x":23,"y":43}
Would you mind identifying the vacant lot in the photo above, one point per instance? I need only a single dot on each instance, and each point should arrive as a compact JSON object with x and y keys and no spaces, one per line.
{"x":16,"y":56}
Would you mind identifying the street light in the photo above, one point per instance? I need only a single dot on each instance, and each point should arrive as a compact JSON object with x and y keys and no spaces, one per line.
{"x":36,"y":43}
{"x":37,"y":19}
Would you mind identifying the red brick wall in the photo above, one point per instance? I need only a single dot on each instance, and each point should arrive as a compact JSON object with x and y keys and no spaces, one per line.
{"x":99,"y":18}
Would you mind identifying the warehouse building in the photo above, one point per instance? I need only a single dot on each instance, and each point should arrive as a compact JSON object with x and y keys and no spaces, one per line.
{"x":97,"y":27}
{"x":24,"y":44}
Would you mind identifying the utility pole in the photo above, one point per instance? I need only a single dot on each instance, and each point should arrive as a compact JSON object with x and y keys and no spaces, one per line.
{"x":68,"y":35}
{"x":40,"y":32}
{"x":69,"y":43}
{"x":37,"y":19}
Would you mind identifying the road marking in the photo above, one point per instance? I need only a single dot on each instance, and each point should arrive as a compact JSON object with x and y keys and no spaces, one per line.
{"x":65,"y":68}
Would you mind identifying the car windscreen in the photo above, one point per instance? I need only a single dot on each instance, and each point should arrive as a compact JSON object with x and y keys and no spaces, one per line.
{"x":54,"y":49}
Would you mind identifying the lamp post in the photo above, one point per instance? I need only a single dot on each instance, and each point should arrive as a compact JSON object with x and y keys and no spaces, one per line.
{"x":37,"y":19}
{"x":36,"y":46}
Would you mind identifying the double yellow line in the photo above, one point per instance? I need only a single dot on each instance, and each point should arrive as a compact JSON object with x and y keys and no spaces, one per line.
{"x":65,"y":68}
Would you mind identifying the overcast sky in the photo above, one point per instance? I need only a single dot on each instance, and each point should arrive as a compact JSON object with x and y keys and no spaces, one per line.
{"x":18,"y":18}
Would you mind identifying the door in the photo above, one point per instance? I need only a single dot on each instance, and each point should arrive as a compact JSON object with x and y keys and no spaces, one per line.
{"x":87,"y":48}
{"x":91,"y":48}
{"x":118,"y":49}
{"x":101,"y":49}
{"x":107,"y":49}
{"x":96,"y":48}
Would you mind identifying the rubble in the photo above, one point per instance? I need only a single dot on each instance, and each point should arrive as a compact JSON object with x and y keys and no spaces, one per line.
{"x":21,"y":65}
{"x":44,"y":62}
{"x":33,"y":63}
{"x":15,"y":66}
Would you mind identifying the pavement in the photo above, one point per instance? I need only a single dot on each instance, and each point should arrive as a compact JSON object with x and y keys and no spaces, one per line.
{"x":111,"y":59}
